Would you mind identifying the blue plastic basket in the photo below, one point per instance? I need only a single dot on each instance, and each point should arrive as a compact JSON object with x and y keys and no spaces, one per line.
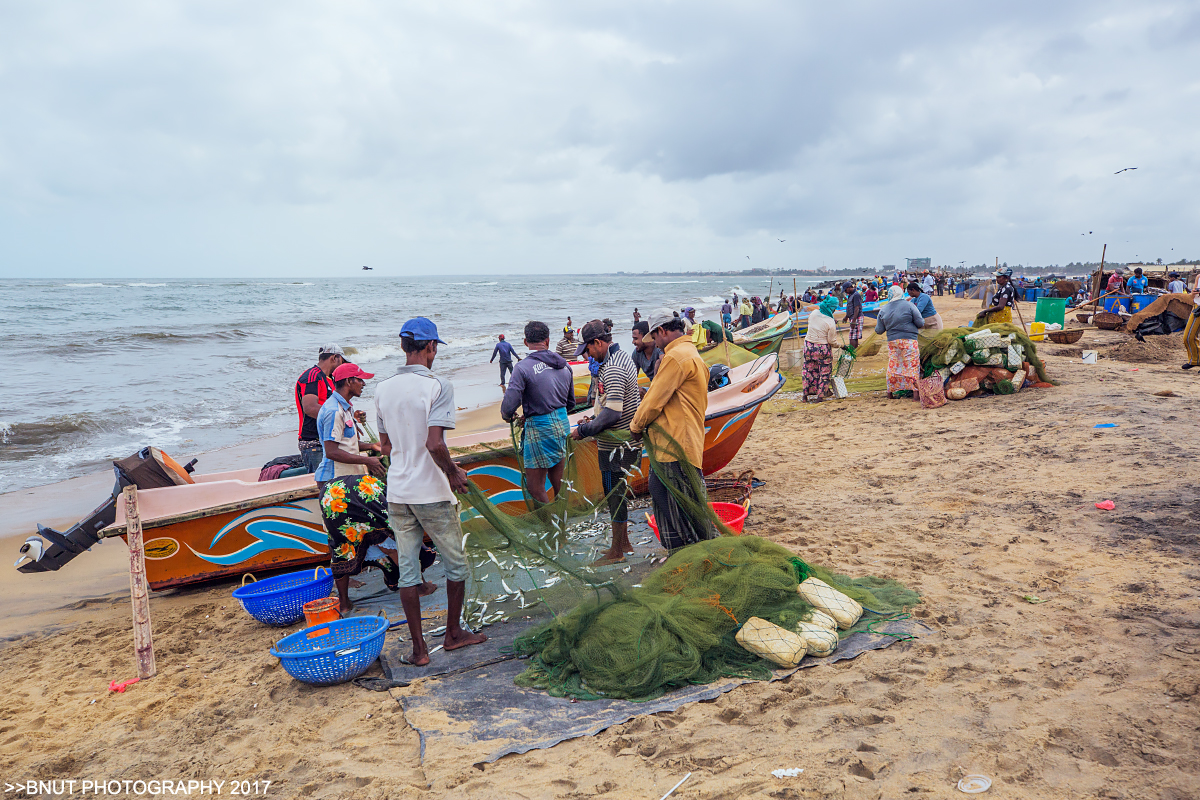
{"x":333,"y":652}
{"x":280,"y":600}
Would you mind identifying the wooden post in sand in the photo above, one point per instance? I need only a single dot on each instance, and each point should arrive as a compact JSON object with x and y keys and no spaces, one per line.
{"x":139,"y":591}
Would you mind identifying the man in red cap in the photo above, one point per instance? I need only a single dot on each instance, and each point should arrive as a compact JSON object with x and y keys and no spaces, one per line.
{"x":338,"y":433}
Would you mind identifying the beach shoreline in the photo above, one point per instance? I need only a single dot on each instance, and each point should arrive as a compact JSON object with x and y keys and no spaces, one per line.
{"x":104,"y":570}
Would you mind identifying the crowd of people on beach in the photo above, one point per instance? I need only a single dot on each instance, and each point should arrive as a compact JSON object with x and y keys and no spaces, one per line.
{"x":386,"y":515}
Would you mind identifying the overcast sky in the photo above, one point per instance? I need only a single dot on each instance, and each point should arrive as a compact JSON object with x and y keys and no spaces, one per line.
{"x":216,"y":138}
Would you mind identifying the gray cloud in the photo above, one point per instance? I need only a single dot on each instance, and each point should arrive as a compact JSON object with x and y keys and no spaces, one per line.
{"x":293,"y":138}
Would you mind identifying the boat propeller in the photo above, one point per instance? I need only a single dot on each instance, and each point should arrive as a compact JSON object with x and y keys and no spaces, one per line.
{"x":31,"y":551}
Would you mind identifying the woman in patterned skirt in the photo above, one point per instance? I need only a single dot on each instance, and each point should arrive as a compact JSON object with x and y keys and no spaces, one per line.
{"x":900,"y":319}
{"x":818,"y":350}
{"x":356,"y":519}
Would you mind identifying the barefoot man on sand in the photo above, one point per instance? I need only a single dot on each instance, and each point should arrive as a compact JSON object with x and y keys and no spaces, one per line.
{"x":617,"y":400}
{"x":414,"y":409}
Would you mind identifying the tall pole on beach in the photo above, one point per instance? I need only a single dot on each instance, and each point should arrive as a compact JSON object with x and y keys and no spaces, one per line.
{"x":139,"y":591}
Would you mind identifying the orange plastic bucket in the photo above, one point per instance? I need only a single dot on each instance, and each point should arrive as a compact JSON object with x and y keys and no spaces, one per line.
{"x":318,"y":612}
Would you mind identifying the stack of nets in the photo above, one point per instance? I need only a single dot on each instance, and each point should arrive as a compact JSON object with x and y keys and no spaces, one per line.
{"x":951,"y":346}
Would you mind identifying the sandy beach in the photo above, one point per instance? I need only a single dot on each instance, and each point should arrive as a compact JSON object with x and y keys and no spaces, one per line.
{"x":1063,"y":659}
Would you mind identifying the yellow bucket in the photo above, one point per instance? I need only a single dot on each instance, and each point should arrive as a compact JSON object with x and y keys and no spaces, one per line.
{"x":1037,"y":331}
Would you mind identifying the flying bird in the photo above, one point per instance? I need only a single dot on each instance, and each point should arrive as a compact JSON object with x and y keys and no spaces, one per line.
{"x":368,"y":268}
{"x":1118,"y":172}
{"x":783,"y":240}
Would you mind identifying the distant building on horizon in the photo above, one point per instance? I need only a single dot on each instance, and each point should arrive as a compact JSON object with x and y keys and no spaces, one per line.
{"x":918,"y":263}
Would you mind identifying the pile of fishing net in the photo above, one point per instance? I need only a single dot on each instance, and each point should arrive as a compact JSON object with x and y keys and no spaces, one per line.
{"x":998,"y":358}
{"x":680,"y":627}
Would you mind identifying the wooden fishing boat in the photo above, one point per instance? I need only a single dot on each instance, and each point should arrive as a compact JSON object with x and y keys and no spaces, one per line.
{"x":872,"y":308}
{"x":200,"y":527}
{"x":765,"y":337}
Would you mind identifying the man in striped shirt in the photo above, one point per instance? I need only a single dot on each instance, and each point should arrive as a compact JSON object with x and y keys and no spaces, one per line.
{"x":617,"y":399}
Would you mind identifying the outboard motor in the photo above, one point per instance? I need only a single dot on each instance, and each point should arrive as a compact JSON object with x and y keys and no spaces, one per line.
{"x":50,"y":549}
{"x":718,"y":376}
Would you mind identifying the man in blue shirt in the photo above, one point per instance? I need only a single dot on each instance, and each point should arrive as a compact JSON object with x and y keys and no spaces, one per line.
{"x":338,"y":433}
{"x":1138,"y":283}
{"x":507,"y":354}
{"x":543,"y":388}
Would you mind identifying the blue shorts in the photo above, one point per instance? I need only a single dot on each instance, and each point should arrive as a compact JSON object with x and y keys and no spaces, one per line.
{"x":726,"y":318}
{"x":544,"y":443}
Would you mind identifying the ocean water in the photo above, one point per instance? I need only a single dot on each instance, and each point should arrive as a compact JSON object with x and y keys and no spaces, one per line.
{"x":101,"y":368}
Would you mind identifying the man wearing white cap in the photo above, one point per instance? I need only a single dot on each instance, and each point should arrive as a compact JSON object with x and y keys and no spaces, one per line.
{"x":313,"y":388}
{"x":672,"y":416}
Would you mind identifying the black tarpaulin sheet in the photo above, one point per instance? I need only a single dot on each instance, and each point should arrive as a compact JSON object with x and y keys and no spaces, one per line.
{"x":476,"y":714}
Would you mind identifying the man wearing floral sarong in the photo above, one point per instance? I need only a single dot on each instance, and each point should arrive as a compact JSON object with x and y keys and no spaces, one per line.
{"x":901,"y":321}
{"x":356,"y":517}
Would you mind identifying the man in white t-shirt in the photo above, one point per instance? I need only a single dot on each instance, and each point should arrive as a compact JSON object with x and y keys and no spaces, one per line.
{"x":414,"y":408}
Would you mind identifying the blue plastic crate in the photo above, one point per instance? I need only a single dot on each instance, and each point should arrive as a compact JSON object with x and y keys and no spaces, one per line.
{"x":333,"y":652}
{"x":280,"y":600}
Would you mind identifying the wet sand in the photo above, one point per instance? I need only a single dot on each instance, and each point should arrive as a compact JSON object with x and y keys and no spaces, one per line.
{"x":38,"y":602}
{"x":1064,"y":658}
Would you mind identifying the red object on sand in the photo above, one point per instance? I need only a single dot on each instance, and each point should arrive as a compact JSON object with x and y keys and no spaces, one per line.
{"x":113,"y":686}
{"x":1106,"y":505}
{"x":732,"y":514}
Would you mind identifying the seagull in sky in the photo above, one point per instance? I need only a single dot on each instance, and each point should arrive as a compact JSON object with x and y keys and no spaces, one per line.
{"x":368,"y":268}
{"x":1118,"y":172}
{"x":783,"y":240}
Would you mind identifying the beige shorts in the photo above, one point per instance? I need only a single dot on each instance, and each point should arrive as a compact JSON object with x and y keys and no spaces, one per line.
{"x":410,"y":522}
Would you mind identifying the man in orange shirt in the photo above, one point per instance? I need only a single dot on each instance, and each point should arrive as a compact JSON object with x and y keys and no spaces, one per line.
{"x":672,"y":417}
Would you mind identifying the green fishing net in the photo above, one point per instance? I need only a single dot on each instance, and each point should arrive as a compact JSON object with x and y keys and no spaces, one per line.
{"x":604,"y":638}
{"x":678,"y":628}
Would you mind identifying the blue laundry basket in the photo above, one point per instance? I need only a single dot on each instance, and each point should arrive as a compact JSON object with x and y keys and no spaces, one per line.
{"x":280,"y":600}
{"x":333,"y":652}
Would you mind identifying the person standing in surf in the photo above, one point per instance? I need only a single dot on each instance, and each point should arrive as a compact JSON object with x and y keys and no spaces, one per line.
{"x":507,"y":354}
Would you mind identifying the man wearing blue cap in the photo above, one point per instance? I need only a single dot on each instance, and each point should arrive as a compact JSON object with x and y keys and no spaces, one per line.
{"x":414,"y":409}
